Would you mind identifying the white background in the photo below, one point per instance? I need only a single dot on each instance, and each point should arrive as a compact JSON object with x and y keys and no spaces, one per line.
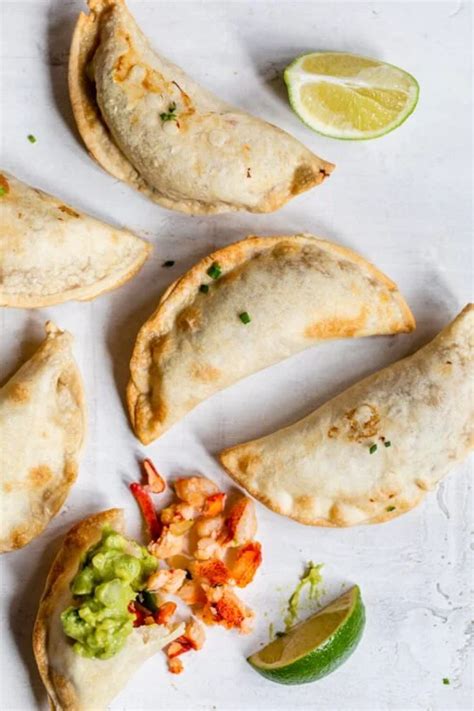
{"x":403,"y":201}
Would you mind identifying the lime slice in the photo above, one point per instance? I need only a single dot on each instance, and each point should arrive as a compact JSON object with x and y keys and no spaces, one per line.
{"x":350,"y":97}
{"x":315,"y":647}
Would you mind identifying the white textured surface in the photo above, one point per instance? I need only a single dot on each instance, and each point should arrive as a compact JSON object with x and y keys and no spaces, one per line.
{"x":403,"y":201}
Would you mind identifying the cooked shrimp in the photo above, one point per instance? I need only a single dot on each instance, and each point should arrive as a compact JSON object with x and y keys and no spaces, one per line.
{"x":214,"y":505}
{"x":195,"y":489}
{"x":208,"y":614}
{"x":167,"y":544}
{"x":177,"y":513}
{"x":248,"y":622}
{"x":187,"y":511}
{"x":246,"y":564}
{"x":225,"y":608}
{"x":179,"y":646}
{"x":208,"y":548}
{"x":214,"y":571}
{"x":167,"y":581}
{"x":181,"y":527}
{"x":213,"y":592}
{"x":193,"y":535}
{"x":156,"y":483}
{"x":167,"y":515}
{"x":192,"y":593}
{"x":179,"y":561}
{"x":175,"y":665}
{"x":241,"y":523}
{"x":195,"y":634}
{"x":209,"y":527}
{"x":232,"y":612}
{"x":165,"y":613}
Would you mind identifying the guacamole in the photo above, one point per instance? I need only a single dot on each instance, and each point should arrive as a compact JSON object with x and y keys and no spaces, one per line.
{"x":312,"y":577}
{"x":109,"y":579}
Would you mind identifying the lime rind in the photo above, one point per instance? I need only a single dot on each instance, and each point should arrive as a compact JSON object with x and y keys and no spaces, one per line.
{"x":324,"y":658}
{"x":324,"y":130}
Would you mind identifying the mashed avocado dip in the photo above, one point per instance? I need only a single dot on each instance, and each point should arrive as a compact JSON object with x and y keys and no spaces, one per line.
{"x":312,"y":577}
{"x":111,"y":575}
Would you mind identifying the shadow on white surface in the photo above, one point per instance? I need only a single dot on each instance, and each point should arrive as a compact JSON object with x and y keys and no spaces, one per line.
{"x":29,"y":336}
{"x":61,"y":18}
{"x":24,"y":606}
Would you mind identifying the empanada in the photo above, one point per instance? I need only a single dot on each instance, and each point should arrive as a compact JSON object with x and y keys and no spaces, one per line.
{"x":147,"y":123}
{"x":42,"y":423}
{"x":295,"y":290}
{"x":50,"y":252}
{"x":373,"y":452}
{"x":75,"y":682}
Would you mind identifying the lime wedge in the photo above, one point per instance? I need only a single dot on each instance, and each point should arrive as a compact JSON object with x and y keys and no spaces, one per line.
{"x":350,"y":97}
{"x":315,"y":647}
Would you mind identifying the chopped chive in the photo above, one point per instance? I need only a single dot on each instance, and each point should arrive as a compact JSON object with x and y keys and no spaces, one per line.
{"x":148,"y":599}
{"x":2,"y":191}
{"x":204,"y":288}
{"x":31,"y":138}
{"x":244,"y":317}
{"x":387,"y":444}
{"x":168,"y":263}
{"x":446,"y":681}
{"x":170,"y":115}
{"x":390,"y":508}
{"x":214,"y":270}
{"x":373,"y":448}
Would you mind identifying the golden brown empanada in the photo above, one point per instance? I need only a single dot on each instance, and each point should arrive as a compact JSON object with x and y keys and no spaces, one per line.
{"x":373,"y":452}
{"x":74,"y":682}
{"x":42,"y":424}
{"x":296,"y":290}
{"x":147,"y":123}
{"x":51,"y":252}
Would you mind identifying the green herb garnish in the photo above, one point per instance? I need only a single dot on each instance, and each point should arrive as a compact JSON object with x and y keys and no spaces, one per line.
{"x":148,"y":599}
{"x":387,"y":444}
{"x":214,"y":270}
{"x":170,"y":116}
{"x":446,"y":681}
{"x":244,"y":317}
{"x":390,"y":508}
{"x":312,"y":577}
{"x":168,"y":263}
{"x":2,"y":191}
{"x":372,"y":448}
{"x":31,"y":138}
{"x":204,"y":288}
